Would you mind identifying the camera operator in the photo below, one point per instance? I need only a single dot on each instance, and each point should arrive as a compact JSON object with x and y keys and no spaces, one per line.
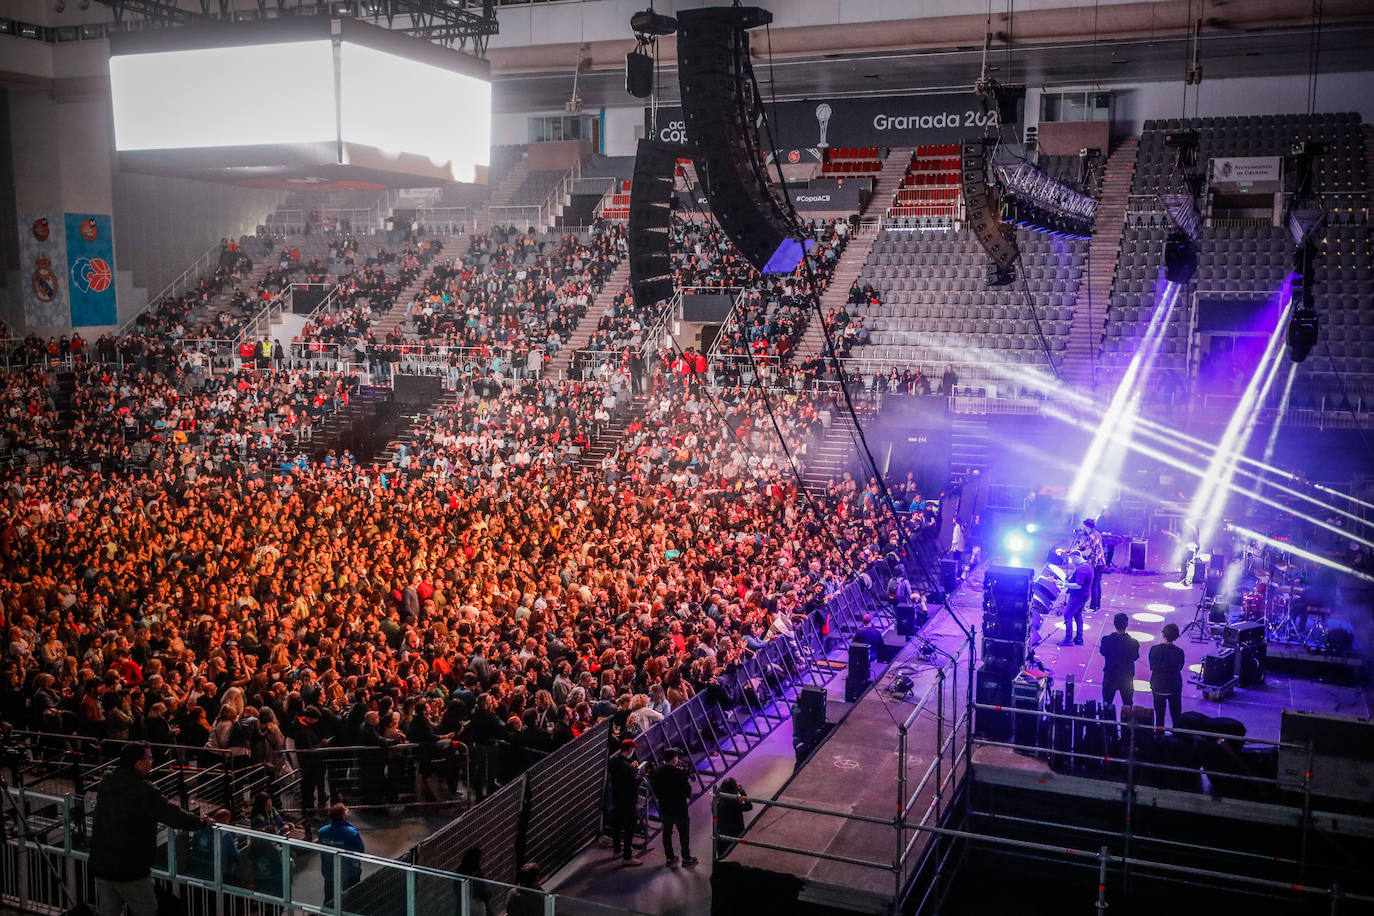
{"x":672,"y":785}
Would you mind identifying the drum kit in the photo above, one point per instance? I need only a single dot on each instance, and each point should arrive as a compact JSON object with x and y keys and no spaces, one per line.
{"x":1278,"y":599}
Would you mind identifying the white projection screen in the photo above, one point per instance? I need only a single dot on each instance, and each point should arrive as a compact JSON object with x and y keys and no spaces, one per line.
{"x":308,"y":101}
{"x":243,"y":95}
{"x":400,"y":108}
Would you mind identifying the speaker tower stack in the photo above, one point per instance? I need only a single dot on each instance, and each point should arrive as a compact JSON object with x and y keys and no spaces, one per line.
{"x":651,"y":207}
{"x":1005,"y":645}
{"x":984,"y":209}
{"x":722,"y":109}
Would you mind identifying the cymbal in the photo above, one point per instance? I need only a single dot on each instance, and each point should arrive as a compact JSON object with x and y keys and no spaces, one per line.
{"x":1284,"y":567}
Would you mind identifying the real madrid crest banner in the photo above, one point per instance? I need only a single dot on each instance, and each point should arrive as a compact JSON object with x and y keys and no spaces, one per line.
{"x":90,"y":270}
{"x":42,"y":262}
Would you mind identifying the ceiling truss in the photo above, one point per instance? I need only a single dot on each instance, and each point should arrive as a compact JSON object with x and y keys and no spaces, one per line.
{"x":463,"y":24}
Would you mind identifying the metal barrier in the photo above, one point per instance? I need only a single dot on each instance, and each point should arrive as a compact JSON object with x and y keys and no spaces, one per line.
{"x":932,"y":844}
{"x":234,"y":866}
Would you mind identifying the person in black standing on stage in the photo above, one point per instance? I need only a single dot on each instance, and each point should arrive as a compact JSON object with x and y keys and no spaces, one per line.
{"x":624,"y":779}
{"x":673,"y":788}
{"x":1166,"y":676}
{"x":1118,"y":673}
{"x":730,"y":814}
{"x":1079,"y":584}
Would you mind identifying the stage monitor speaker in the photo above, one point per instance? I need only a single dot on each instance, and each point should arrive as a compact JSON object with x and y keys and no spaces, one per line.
{"x":1138,"y":548}
{"x":639,"y":74}
{"x":1250,"y":668}
{"x":985,"y":209}
{"x":908,"y":619}
{"x":811,"y":702}
{"x":722,"y":111}
{"x":859,"y":673}
{"x":949,"y":575}
{"x":1219,"y":668}
{"x":651,"y":202}
{"x":1243,"y":634}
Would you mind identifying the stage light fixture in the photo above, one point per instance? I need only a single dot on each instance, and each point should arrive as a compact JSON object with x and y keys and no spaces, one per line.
{"x":1016,"y":542}
{"x":1032,"y":527}
{"x":1180,"y":258}
{"x":1302,"y":333}
{"x":1033,"y":200}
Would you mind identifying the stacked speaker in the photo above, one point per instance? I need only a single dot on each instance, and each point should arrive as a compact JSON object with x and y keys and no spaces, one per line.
{"x":984,"y":208}
{"x":651,"y":206}
{"x":1005,"y":645}
{"x":722,"y":111}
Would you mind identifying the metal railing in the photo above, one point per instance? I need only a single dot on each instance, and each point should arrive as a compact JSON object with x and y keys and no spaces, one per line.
{"x":183,"y":281}
{"x":442,"y":220}
{"x":920,"y":813}
{"x":225,"y":864}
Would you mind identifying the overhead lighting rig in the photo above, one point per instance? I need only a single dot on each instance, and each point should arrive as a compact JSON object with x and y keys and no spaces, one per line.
{"x":464,"y":24}
{"x":1033,"y":200}
{"x":1305,"y":222}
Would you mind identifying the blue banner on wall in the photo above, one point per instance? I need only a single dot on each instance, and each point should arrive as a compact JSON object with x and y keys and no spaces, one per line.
{"x":90,"y":270}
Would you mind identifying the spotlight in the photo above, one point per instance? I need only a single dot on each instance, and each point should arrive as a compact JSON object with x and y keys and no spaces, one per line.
{"x":1015,"y":542}
{"x":1032,"y":527}
{"x":648,"y":22}
{"x":1180,"y":258}
{"x":1302,"y":333}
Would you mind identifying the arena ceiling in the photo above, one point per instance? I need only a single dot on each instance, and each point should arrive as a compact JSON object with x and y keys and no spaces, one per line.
{"x":1343,"y":47}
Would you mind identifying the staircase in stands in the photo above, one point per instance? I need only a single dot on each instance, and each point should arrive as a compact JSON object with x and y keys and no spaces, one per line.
{"x":409,"y":414}
{"x":889,"y":180}
{"x":968,"y":442}
{"x":615,"y":283}
{"x":1095,"y":290}
{"x":609,"y":438}
{"x":836,"y":452}
{"x":500,"y":197}
{"x":837,"y":293}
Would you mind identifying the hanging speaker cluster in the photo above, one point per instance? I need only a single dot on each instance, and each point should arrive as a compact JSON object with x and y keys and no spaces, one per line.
{"x":984,"y":209}
{"x":722,"y":111}
{"x":651,"y":206}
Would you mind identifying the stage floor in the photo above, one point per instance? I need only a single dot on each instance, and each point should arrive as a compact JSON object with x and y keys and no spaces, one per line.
{"x":855,"y":769}
{"x":1154,"y":598}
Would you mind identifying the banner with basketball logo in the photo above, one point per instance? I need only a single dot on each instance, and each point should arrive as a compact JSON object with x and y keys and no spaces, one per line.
{"x":90,"y":270}
{"x":42,"y":259}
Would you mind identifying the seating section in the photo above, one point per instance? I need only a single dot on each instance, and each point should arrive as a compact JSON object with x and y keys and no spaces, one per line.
{"x":1139,"y":281}
{"x":536,"y":187}
{"x":1249,"y":259}
{"x":930,"y":187}
{"x":616,"y":205}
{"x":1340,"y":174}
{"x":934,"y":300}
{"x":853,"y":160}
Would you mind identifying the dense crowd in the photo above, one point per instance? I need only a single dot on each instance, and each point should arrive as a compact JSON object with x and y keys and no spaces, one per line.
{"x":179,"y":575}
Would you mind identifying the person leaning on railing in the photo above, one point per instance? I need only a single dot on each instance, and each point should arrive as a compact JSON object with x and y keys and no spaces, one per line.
{"x":123,"y":842}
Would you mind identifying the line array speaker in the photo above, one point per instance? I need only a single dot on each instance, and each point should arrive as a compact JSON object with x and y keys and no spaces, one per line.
{"x":651,"y":203}
{"x":722,"y":112}
{"x":985,"y":208}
